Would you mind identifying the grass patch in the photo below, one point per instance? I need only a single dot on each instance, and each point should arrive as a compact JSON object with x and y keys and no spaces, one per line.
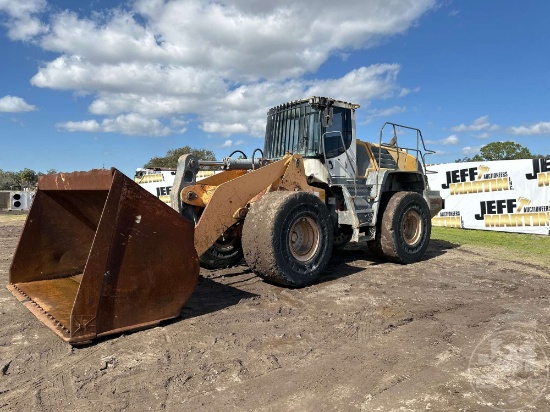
{"x":9,"y":217}
{"x":517,"y":246}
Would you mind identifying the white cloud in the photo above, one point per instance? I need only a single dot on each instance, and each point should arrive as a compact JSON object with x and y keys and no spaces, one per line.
{"x":277,"y":40}
{"x":384,"y":113}
{"x":470,"y":151}
{"x":450,"y":140}
{"x":230,"y":143}
{"x":75,"y":73}
{"x":365,"y":83}
{"x":224,"y":129}
{"x":404,"y":91}
{"x":179,"y":125}
{"x":223,"y":63}
{"x":13,"y":104}
{"x":238,"y":111}
{"x":83,"y":126}
{"x":390,"y":111}
{"x":131,"y":124}
{"x":481,"y":123}
{"x":23,"y":23}
{"x":534,"y":129}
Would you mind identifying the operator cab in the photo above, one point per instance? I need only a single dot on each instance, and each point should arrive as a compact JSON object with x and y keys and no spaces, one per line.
{"x":318,"y":128}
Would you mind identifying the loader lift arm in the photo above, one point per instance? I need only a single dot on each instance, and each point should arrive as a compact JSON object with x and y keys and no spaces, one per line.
{"x":220,"y":201}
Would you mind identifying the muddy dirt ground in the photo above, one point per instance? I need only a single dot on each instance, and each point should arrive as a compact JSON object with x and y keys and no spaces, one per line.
{"x":463,"y":330}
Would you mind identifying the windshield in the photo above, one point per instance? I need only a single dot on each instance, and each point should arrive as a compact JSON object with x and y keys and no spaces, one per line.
{"x":297,"y":129}
{"x":293,"y":128}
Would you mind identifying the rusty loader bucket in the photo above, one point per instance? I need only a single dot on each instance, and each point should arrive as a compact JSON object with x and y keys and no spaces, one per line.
{"x":100,"y":255}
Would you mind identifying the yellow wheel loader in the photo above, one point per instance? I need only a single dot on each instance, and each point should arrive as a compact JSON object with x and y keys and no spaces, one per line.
{"x":99,"y":254}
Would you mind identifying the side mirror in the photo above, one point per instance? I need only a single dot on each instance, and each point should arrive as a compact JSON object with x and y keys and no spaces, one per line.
{"x":327,"y":117}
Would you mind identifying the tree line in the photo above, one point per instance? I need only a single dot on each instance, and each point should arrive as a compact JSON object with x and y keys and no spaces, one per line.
{"x":170,"y":160}
{"x":502,"y":151}
{"x":491,"y":151}
{"x":28,"y":178}
{"x":24,"y":179}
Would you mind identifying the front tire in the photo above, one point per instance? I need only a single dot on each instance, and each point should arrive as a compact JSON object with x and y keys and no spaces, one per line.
{"x":287,"y":238}
{"x":403,"y":229}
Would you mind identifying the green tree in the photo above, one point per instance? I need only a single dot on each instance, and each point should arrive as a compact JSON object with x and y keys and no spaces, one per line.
{"x":500,"y":151}
{"x":8,"y":180}
{"x":504,"y":151}
{"x":172,"y":156}
{"x":48,"y":172}
{"x":28,"y":177}
{"x":475,"y":158}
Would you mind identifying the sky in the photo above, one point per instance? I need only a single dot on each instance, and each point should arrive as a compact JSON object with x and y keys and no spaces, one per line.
{"x":97,"y":84}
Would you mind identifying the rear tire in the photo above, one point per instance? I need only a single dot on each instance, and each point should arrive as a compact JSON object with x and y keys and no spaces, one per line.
{"x":287,"y":238}
{"x":403,"y":230}
{"x":226,"y":252}
{"x":342,"y":237}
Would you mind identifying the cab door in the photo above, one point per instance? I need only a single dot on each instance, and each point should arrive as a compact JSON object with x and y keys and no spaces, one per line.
{"x":339,"y":142}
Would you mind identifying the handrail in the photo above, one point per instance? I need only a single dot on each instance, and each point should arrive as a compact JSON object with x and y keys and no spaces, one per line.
{"x":421,"y":152}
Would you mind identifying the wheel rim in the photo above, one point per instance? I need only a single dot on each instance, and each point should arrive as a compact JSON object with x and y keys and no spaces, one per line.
{"x":411,"y":227}
{"x":304,"y":239}
{"x":225,"y":241}
{"x":228,"y":240}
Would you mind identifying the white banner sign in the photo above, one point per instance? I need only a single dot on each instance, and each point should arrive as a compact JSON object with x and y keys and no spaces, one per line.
{"x":159,"y":182}
{"x":506,"y":195}
{"x":156,"y":182}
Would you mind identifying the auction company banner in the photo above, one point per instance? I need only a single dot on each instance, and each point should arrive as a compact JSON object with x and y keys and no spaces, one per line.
{"x":159,"y":182}
{"x":504,"y":195}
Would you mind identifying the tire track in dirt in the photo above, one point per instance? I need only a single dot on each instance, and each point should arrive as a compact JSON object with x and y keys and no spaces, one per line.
{"x":326,"y":366}
{"x":53,"y":374}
